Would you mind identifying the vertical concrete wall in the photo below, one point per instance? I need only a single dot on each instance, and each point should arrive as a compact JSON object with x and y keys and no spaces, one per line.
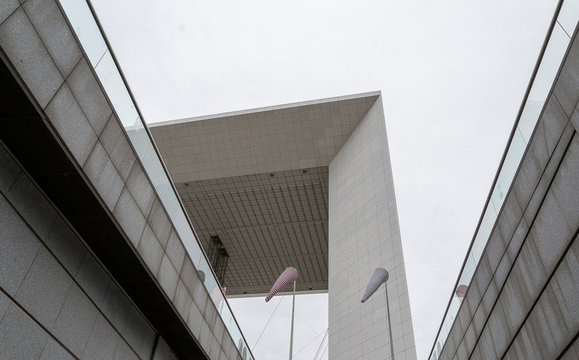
{"x":523,"y":302}
{"x":56,"y":300}
{"x":364,"y":234}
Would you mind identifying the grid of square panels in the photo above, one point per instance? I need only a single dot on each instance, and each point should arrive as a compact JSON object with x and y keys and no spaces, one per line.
{"x":266,"y":222}
{"x":258,"y":141}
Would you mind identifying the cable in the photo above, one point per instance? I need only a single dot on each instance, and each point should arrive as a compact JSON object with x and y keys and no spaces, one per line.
{"x":265,"y":327}
{"x":322,"y":343}
{"x":311,"y":341}
{"x":326,"y":348}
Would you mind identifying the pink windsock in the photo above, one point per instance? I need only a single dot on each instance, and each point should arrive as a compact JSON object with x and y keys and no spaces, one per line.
{"x":287,"y":276}
{"x":217,"y":295}
{"x":461,"y":291}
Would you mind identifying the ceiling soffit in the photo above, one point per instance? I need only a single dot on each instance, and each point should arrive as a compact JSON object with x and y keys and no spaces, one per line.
{"x":266,"y":223}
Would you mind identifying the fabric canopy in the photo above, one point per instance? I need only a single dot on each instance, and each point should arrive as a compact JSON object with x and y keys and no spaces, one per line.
{"x":380,"y":276}
{"x":289,"y":275}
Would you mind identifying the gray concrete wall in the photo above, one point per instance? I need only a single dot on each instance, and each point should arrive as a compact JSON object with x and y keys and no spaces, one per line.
{"x":522,"y":302}
{"x":56,"y":300}
{"x":364,"y":234}
{"x":40,"y":46}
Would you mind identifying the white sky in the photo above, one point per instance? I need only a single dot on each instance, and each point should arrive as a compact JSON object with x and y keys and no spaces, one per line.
{"x":452,"y":74}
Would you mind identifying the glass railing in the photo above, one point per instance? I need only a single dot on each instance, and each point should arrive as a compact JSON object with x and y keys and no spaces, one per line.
{"x":94,"y":44}
{"x":548,"y":67}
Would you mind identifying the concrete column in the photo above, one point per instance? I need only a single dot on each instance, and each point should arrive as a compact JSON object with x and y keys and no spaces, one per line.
{"x":364,"y":234}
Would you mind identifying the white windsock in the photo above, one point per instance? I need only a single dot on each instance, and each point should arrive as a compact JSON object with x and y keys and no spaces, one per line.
{"x":380,"y":276}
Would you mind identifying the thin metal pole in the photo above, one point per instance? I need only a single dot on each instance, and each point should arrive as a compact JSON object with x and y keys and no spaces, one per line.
{"x":389,"y":324}
{"x":292,"y":330}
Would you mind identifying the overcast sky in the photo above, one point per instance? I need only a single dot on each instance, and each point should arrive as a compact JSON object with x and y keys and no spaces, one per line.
{"x":452,"y":76}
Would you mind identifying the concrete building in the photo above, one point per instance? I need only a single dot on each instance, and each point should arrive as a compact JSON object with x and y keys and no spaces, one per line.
{"x":98,"y":256}
{"x":307,"y":185}
{"x":517,"y":296}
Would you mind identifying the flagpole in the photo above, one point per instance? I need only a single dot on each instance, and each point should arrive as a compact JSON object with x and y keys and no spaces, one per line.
{"x":389,"y":324}
{"x":288,"y":275}
{"x":292,"y":329}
